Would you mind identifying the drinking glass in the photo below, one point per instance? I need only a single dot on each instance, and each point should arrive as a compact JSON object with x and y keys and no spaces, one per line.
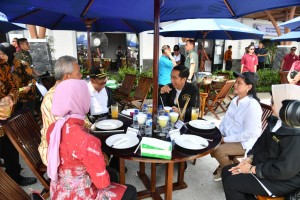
{"x":141,"y":118}
{"x":173,"y":117}
{"x":163,"y":121}
{"x":5,"y":107}
{"x":114,"y":111}
{"x":167,"y":109}
{"x":195,"y":113}
{"x":150,"y":108}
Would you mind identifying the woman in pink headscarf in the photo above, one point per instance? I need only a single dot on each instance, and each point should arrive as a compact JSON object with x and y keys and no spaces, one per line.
{"x":76,"y":165}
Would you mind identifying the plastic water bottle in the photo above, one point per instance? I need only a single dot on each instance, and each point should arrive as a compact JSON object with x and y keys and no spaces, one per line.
{"x":135,"y":123}
{"x":145,"y":109}
{"x":161,"y":111}
{"x":148,"y":130}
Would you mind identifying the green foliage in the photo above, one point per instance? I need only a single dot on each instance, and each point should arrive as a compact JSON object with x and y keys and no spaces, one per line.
{"x":272,"y":47}
{"x":267,"y":78}
{"x":231,"y":77}
{"x":84,"y":71}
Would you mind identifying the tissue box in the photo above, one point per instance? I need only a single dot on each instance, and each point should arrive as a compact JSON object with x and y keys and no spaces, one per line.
{"x":152,"y":147}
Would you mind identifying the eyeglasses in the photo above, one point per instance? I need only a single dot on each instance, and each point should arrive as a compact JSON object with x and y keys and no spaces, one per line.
{"x":251,"y":49}
{"x":14,"y":41}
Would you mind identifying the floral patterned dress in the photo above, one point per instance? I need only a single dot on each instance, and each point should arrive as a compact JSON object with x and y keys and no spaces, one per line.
{"x":82,"y":172}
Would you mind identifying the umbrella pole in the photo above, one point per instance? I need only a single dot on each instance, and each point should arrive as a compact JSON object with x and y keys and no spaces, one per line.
{"x":155,"y":55}
{"x":88,"y":23}
{"x":203,"y":53}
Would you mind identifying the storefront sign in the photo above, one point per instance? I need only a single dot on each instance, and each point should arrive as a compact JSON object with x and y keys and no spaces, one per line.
{"x":268,"y":29}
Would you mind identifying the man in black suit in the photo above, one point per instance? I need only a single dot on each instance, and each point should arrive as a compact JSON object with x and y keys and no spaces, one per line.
{"x":181,"y":90}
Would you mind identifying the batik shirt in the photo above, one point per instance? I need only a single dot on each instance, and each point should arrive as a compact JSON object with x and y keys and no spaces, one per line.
{"x":24,"y":77}
{"x":8,"y":84}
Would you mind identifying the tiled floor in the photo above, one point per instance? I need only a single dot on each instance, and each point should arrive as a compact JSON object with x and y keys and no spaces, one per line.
{"x":198,"y":177}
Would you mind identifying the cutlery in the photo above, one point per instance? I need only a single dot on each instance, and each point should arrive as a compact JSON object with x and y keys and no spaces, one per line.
{"x":137,"y":147}
{"x":113,"y":131}
{"x":124,"y":116}
{"x":197,"y":143}
{"x":210,"y":140}
{"x":118,"y":142}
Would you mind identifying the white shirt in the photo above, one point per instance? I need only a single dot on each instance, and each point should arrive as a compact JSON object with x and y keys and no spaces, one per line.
{"x":177,"y":58}
{"x":98,"y":101}
{"x":177,"y":96}
{"x":242,"y":122}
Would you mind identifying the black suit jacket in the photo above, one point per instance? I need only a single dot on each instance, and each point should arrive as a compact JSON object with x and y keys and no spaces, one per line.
{"x":189,"y":90}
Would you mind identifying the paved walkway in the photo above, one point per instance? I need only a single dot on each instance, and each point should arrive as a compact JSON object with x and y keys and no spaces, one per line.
{"x":198,"y":177}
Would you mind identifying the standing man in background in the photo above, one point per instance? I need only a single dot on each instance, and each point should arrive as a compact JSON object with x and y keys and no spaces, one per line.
{"x":288,"y":60}
{"x":261,"y":54}
{"x":23,"y":54}
{"x":191,"y":61}
{"x":178,"y":56}
{"x":165,"y":66}
{"x":228,"y":58}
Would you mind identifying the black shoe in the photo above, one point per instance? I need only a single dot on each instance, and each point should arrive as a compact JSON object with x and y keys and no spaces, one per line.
{"x":24,"y":181}
{"x":185,"y":166}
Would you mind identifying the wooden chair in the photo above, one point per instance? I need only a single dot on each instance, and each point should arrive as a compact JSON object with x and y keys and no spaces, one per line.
{"x":9,"y":189}
{"x":140,"y":94}
{"x":125,"y":89}
{"x":24,"y":133}
{"x":216,"y":100}
{"x":203,"y":97}
{"x":283,"y":77}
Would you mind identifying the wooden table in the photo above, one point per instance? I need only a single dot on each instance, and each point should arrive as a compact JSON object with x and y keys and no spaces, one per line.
{"x":178,"y":156}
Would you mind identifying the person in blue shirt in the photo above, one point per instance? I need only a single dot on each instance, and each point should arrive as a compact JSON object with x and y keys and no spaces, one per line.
{"x":261,"y":54}
{"x":165,"y":66}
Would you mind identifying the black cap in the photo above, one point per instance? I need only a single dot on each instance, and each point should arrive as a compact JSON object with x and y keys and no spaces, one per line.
{"x":293,"y":48}
{"x":250,"y":76}
{"x":8,"y":50}
{"x":176,"y":48}
{"x":97,"y":72}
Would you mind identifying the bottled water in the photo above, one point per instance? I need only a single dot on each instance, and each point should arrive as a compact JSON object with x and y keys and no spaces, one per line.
{"x":148,"y":130}
{"x":145,"y":109}
{"x":135,"y":123}
{"x":161,"y":111}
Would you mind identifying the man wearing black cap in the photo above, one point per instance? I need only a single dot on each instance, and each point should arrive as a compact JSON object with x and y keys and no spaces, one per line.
{"x":288,"y":60}
{"x":179,"y":58}
{"x":101,"y":96}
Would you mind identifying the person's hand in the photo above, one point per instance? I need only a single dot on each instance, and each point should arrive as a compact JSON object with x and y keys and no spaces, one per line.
{"x":241,"y":168}
{"x":175,"y":109}
{"x":25,"y":89}
{"x":165,"y":89}
{"x":9,"y":100}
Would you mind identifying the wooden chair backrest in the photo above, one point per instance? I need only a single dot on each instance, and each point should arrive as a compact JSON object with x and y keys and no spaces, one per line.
{"x":24,"y":132}
{"x":225,"y":90}
{"x":143,"y":88}
{"x":283,"y":77}
{"x":203,"y":97}
{"x":127,"y":84}
{"x":266,"y":112}
{"x":269,"y":198}
{"x":9,"y":189}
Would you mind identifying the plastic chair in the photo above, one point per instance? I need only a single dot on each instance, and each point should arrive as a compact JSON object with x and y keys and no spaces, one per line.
{"x":24,"y":133}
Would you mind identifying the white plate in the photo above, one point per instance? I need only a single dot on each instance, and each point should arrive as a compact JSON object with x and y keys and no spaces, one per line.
{"x":202,"y":124}
{"x":127,"y":111}
{"x":192,"y":142}
{"x":122,"y":141}
{"x":109,"y":124}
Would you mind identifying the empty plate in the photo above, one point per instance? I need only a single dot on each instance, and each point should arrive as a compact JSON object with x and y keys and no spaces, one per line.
{"x":122,"y":141}
{"x":109,"y":124}
{"x":192,"y":142}
{"x":127,"y":111}
{"x":202,"y":124}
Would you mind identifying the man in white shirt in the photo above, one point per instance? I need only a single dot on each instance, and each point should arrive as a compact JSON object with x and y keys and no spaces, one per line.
{"x":101,"y":96}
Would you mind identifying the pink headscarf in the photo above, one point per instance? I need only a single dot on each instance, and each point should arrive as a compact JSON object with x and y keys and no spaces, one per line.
{"x":70,"y":100}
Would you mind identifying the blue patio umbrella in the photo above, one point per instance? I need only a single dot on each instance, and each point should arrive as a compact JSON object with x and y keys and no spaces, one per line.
{"x":291,"y":36}
{"x":144,"y":9}
{"x":227,"y":29}
{"x":6,"y":26}
{"x":292,"y":24}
